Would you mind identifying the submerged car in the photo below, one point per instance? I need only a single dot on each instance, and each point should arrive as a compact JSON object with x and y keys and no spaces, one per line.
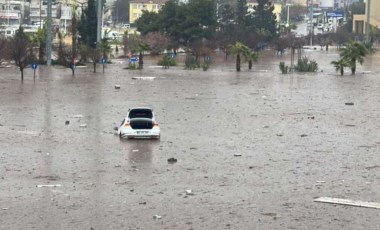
{"x":139,"y":123}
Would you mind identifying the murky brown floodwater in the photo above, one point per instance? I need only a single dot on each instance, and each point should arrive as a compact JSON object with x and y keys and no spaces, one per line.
{"x":297,"y":139}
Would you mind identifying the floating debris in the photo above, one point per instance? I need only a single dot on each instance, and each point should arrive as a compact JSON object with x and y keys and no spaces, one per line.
{"x":172,"y":160}
{"x":157,"y":217}
{"x":48,"y":185}
{"x":143,"y":78}
{"x":348,"y":202}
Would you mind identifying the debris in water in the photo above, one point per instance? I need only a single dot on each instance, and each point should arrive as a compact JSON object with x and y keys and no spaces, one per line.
{"x":135,"y":150}
{"x":67,"y":122}
{"x":349,"y":103}
{"x":157,"y":217}
{"x":237,"y":154}
{"x":348,"y":202}
{"x":83,"y":125}
{"x":189,"y":192}
{"x":303,"y":135}
{"x":172,"y":160}
{"x":48,"y":185}
{"x":143,"y":78}
{"x":78,"y":116}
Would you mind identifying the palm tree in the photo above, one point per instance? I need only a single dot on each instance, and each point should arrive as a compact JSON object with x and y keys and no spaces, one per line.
{"x":142,"y":47}
{"x":353,"y":52}
{"x":339,"y":65}
{"x":238,"y":49}
{"x":40,"y":39}
{"x":251,"y":56}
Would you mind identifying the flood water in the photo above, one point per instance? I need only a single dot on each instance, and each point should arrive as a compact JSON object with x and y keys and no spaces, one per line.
{"x":296,"y":137}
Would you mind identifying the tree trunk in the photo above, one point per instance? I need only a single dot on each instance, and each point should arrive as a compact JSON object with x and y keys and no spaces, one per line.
{"x":41,"y":54}
{"x":250,"y":64}
{"x":141,"y":62}
{"x":353,"y":67}
{"x":94,"y":66}
{"x":22,"y":74}
{"x":327,"y":47}
{"x":341,"y":71}
{"x":238,"y":62}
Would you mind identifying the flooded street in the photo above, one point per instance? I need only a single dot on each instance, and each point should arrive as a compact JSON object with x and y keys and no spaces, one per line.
{"x":255,"y":148}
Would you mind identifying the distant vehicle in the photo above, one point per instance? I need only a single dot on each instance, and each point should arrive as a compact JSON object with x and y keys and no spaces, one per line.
{"x":320,"y":26}
{"x":126,"y":26}
{"x":113,"y":35}
{"x":139,"y":123}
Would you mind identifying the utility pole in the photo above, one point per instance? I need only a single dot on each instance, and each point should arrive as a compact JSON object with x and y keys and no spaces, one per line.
{"x":368,"y":25}
{"x":99,"y":24}
{"x":311,"y":23}
{"x":48,"y":32}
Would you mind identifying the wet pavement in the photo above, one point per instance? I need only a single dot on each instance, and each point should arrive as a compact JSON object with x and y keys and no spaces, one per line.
{"x":294,"y":136}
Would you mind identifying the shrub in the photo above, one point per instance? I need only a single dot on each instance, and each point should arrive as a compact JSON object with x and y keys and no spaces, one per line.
{"x":191,"y":63}
{"x":306,"y":65}
{"x":166,"y":61}
{"x":205,"y":66}
{"x":132,"y":66}
{"x":284,"y":68}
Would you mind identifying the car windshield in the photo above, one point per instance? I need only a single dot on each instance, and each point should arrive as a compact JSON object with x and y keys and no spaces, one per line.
{"x":140,"y":113}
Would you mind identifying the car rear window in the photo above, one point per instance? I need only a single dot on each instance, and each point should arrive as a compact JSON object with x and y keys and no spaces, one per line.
{"x":141,"y":113}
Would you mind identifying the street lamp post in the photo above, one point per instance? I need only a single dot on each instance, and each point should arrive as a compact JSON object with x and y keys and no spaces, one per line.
{"x":287,"y":20}
{"x":311,"y":23}
{"x":368,"y":24}
{"x":49,"y":36}
{"x":99,"y":23}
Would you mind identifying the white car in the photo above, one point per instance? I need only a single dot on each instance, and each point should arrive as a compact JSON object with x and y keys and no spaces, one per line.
{"x":139,"y":123}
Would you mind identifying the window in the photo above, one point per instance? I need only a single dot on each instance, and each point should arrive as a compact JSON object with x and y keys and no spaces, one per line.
{"x":134,"y":6}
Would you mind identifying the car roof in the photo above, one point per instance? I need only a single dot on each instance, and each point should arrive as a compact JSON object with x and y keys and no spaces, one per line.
{"x":140,"y":108}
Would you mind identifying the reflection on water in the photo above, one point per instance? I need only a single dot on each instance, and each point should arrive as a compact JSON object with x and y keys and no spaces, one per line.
{"x":139,"y":151}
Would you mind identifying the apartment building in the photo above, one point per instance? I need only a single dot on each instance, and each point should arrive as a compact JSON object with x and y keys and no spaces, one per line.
{"x":359,"y":22}
{"x":136,"y":8}
{"x":11,"y":12}
{"x":277,"y":7}
{"x":38,"y":12}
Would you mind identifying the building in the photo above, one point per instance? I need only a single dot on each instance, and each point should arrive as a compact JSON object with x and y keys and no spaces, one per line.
{"x":360,"y":20}
{"x":11,"y":12}
{"x":38,"y":13}
{"x":298,"y":2}
{"x":277,"y":7}
{"x":136,"y":8}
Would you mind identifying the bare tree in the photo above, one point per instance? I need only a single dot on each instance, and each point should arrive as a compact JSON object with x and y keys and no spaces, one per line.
{"x":95,"y":55}
{"x":21,"y":51}
{"x":67,"y":58}
{"x":3,"y":46}
{"x":157,"y":41}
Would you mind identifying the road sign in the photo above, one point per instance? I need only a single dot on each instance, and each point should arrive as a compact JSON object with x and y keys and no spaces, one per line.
{"x":335,"y":14}
{"x":134,"y":59}
{"x":34,"y":66}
